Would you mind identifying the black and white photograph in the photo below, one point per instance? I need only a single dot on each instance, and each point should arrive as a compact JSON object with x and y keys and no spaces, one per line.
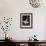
{"x":26,"y":20}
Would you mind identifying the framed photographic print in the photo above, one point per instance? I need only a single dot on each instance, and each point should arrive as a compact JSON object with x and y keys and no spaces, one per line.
{"x":26,"y":20}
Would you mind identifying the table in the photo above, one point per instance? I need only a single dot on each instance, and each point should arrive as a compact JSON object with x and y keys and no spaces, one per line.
{"x":26,"y":42}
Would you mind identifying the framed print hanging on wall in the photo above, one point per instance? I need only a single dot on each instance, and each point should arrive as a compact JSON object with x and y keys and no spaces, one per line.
{"x":26,"y":20}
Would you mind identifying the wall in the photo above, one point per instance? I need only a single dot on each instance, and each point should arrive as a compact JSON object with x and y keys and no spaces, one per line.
{"x":13,"y":8}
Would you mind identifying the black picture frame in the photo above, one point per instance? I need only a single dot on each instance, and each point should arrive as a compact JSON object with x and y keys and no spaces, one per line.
{"x":26,"y":20}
